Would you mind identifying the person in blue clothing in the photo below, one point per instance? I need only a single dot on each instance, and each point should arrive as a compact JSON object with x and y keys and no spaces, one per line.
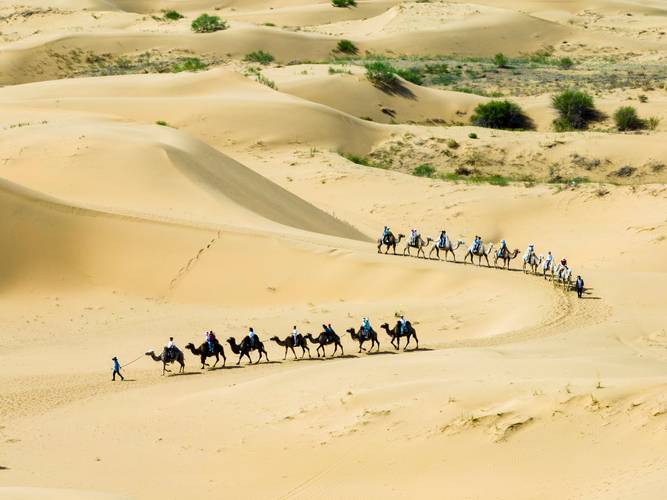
{"x":502,"y":249}
{"x":116,"y":369}
{"x":442,"y":242}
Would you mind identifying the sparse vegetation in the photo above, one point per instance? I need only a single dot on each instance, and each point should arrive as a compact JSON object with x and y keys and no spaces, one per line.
{"x":173,"y":15}
{"x":452,"y":144}
{"x":565,"y":63}
{"x":626,"y":119}
{"x":259,"y":56}
{"x":500,"y":115}
{"x":162,"y":123}
{"x":208,"y":24}
{"x":361,"y":160}
{"x":344,"y":3}
{"x":643,"y":99}
{"x":346,"y":47}
{"x":472,"y":135}
{"x":424,"y":170}
{"x":575,"y":108}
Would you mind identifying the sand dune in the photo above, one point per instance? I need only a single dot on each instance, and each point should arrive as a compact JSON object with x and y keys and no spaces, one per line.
{"x":148,"y":206}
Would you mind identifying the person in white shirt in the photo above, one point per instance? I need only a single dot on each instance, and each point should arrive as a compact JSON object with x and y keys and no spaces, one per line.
{"x":295,"y":335}
{"x":404,"y":324}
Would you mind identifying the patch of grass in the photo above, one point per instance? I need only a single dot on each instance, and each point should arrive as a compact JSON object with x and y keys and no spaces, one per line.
{"x":208,"y":24}
{"x":173,"y":15}
{"x":652,"y":122}
{"x":188,"y":64}
{"x":270,"y":25}
{"x":626,"y":118}
{"x":344,"y":3}
{"x":494,"y":179}
{"x":424,"y":170}
{"x":575,"y":108}
{"x":361,"y":160}
{"x":266,"y":81}
{"x":162,"y":123}
{"x":500,"y":115}
{"x":260,"y":57}
{"x":452,"y":144}
{"x":336,"y":71}
{"x":347,"y":47}
{"x":643,"y":99}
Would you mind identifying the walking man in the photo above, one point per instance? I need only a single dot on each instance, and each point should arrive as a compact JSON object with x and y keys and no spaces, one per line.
{"x":579,"y":286}
{"x":116,"y":369}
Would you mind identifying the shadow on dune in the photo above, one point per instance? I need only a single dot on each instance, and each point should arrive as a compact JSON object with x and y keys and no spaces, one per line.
{"x":397,"y":88}
{"x":2,"y":467}
{"x":375,"y":353}
{"x":216,"y":368}
{"x":185,"y":374}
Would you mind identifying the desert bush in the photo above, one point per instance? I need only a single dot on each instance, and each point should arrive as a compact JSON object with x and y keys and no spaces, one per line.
{"x":452,"y":144}
{"x":173,"y":15}
{"x":472,"y":135}
{"x":259,"y":56}
{"x":643,"y":99}
{"x":208,"y":24}
{"x":424,"y":170}
{"x":500,"y":60}
{"x":412,"y":75}
{"x":565,"y":63}
{"x":381,"y":73}
{"x":501,"y":115}
{"x":344,"y":3}
{"x":652,"y":122}
{"x":626,"y":119}
{"x":575,"y":108}
{"x":188,"y":64}
{"x":346,"y":47}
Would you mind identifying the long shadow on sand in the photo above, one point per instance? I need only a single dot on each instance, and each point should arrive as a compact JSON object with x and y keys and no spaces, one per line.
{"x":184,"y":374}
{"x":2,"y":467}
{"x":229,"y":367}
{"x":376,"y":353}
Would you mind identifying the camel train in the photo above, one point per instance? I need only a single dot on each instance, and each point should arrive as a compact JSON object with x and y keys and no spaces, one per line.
{"x":213,"y":348}
{"x":560,"y":274}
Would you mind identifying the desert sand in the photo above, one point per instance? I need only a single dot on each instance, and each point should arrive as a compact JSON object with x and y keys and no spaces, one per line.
{"x":141,"y":202}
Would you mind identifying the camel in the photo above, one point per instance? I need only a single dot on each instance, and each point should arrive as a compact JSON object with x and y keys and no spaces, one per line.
{"x":482,"y":252}
{"x":324,"y":339}
{"x":178,"y":357}
{"x":533,"y":262}
{"x":390,"y":242}
{"x":204,"y":351}
{"x":396,"y":334}
{"x":246,"y":348}
{"x":372,"y":336}
{"x":506,"y":257}
{"x":447,"y":248}
{"x":562,"y":274}
{"x":289,"y":343}
{"x":420,"y":244}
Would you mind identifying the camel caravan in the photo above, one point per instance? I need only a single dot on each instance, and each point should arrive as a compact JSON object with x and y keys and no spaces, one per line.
{"x":559,"y":273}
{"x":213,"y":348}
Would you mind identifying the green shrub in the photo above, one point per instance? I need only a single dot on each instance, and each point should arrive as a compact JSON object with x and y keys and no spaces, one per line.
{"x":173,"y":15}
{"x":381,"y":74}
{"x":472,"y":135}
{"x":501,"y":115}
{"x":424,"y":170}
{"x":412,"y":75}
{"x":500,"y":60}
{"x":162,"y":123}
{"x":452,"y":144}
{"x":188,"y":64}
{"x":653,"y":122}
{"x":259,"y":56}
{"x":346,"y":47}
{"x":565,"y":63}
{"x":208,"y":24}
{"x":642,"y":98}
{"x":626,"y":119}
{"x":344,"y":3}
{"x":575,"y":108}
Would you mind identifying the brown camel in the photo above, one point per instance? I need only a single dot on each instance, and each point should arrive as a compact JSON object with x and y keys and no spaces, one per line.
{"x":246,"y":347}
{"x":396,"y":334}
{"x":324,"y":339}
{"x":506,"y":257}
{"x":372,"y":336}
{"x":203,"y":351}
{"x":390,"y":242}
{"x":289,"y":343}
{"x":165,"y":358}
